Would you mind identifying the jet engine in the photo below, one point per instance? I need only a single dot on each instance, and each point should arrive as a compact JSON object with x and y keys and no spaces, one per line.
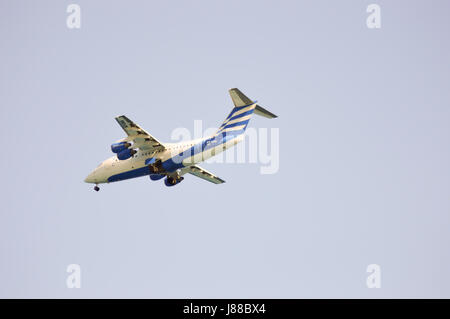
{"x":119,"y":147}
{"x":125,"y":154}
{"x":171,"y":181}
{"x":155,"y":177}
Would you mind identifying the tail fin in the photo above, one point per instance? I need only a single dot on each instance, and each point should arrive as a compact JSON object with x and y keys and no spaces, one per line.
{"x":237,"y":121}
{"x":239,"y":99}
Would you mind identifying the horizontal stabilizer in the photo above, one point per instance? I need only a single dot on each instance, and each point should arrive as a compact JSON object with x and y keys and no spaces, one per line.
{"x":263,"y":112}
{"x":240,"y":99}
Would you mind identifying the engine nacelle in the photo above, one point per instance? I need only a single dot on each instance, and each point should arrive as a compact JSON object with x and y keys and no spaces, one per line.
{"x":171,"y":181}
{"x":155,"y":177}
{"x":125,"y":154}
{"x":119,"y":147}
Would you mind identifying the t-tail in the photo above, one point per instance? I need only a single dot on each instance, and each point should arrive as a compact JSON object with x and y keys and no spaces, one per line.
{"x":229,"y":133}
{"x":236,"y":122}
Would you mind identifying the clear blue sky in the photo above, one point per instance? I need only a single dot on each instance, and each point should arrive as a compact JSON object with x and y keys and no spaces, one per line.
{"x":364,"y":149}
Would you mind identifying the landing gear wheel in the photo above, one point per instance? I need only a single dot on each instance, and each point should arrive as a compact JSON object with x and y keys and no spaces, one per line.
{"x":96,"y":188}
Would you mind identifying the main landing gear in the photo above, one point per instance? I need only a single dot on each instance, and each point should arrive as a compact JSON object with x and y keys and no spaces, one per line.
{"x":96,"y":188}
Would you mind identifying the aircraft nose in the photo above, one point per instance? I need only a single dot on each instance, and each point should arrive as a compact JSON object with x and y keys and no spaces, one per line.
{"x":90,"y":178}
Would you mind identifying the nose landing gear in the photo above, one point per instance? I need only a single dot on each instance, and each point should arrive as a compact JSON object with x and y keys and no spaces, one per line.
{"x":96,"y":188}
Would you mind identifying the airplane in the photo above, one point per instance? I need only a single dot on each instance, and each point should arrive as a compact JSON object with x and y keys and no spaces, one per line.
{"x":140,"y":154}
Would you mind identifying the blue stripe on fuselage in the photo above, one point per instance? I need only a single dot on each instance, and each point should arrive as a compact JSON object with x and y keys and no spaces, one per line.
{"x":235,"y":109}
{"x":138,"y":172}
{"x":236,"y":124}
{"x":242,"y":114}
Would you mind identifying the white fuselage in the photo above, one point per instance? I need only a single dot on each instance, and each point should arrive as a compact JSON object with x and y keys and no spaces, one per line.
{"x":136,"y":165}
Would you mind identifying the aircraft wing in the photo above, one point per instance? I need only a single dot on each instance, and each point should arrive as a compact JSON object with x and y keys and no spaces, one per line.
{"x":139,"y":136}
{"x":204,"y":174}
